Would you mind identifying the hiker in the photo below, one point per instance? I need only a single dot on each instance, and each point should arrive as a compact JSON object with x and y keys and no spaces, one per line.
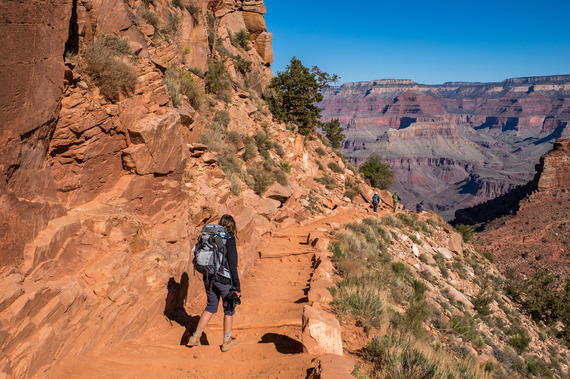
{"x":396,"y":200}
{"x":228,"y":289}
{"x":375,"y":201}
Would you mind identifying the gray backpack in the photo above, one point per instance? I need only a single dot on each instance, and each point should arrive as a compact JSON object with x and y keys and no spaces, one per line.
{"x":210,"y":252}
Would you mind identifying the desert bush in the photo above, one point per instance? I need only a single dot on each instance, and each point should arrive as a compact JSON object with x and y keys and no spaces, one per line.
{"x":334,"y":167}
{"x":377,"y":172}
{"x":489,"y":256}
{"x":327,"y":181}
{"x":320,"y":151}
{"x":242,"y":65}
{"x":334,"y":133}
{"x":217,"y":80}
{"x":286,"y":166}
{"x":241,"y":39}
{"x":391,"y":221}
{"x":281,"y":177}
{"x":279,"y":149}
{"x":465,"y":230}
{"x":399,"y":268}
{"x":320,"y":166}
{"x":222,"y":118}
{"x":262,"y":180}
{"x":482,"y":301}
{"x":520,"y":340}
{"x":194,"y":9}
{"x":361,"y":296}
{"x":103,"y":64}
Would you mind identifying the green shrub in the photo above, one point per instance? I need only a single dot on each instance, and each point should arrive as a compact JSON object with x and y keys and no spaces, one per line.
{"x":335,"y":167}
{"x":377,"y":172}
{"x":334,"y":133}
{"x":320,"y":151}
{"x":262,"y":180}
{"x":489,"y":256}
{"x":279,"y":149}
{"x":286,"y":166}
{"x":399,"y":268}
{"x":520,"y":340}
{"x":241,"y":39}
{"x":327,"y":181}
{"x":217,"y":78}
{"x":466,"y":231}
{"x":235,"y":185}
{"x":281,"y":177}
{"x":419,"y":288}
{"x":151,"y":18}
{"x":320,"y":166}
{"x":242,"y":65}
{"x":222,"y":118}
{"x":180,"y":82}
{"x":194,"y":9}
{"x":104,"y":66}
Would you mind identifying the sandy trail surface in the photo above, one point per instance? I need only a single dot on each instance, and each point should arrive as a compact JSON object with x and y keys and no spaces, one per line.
{"x":268,"y":324}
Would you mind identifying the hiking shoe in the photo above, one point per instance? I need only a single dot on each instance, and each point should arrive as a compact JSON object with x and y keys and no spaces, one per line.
{"x":228,"y":344}
{"x":195,"y":339}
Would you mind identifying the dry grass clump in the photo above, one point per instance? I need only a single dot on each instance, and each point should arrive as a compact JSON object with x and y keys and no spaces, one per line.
{"x":105,"y":63}
{"x":180,"y":82}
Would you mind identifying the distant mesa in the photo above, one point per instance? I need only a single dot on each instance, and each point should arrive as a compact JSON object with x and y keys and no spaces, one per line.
{"x":438,"y":138}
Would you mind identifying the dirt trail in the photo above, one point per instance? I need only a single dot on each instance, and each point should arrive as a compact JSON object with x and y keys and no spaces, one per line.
{"x":268,"y":324}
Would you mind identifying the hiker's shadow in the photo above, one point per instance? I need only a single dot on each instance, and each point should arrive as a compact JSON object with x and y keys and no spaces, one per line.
{"x":283,"y":344}
{"x":174,"y":309}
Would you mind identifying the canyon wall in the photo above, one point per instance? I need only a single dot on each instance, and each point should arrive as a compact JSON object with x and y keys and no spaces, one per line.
{"x":456,"y":144}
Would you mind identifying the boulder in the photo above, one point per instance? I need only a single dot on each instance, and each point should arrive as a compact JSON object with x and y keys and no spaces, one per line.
{"x":458,"y":296}
{"x":455,"y":243}
{"x":331,"y":366}
{"x":263,"y":46}
{"x":255,"y":24}
{"x":210,"y":157}
{"x":279,"y":192}
{"x":415,"y":250}
{"x":156,"y":145}
{"x":256,"y":6}
{"x":321,"y":332}
{"x":446,"y":253}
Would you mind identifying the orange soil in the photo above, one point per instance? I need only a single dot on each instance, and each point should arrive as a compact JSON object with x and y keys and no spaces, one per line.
{"x":268,"y":324}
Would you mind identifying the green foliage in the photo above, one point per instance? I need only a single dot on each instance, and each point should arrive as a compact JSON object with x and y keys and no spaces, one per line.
{"x":333,"y":132}
{"x":294,"y":93}
{"x":103,"y":64}
{"x":151,"y":18}
{"x":328,"y":181}
{"x":482,"y":301}
{"x":242,"y":65}
{"x":194,"y":9}
{"x":222,"y":118}
{"x":334,"y":167}
{"x":377,"y":172}
{"x":399,"y":268}
{"x":520,"y":340}
{"x":218,"y":80}
{"x":241,"y":39}
{"x":286,"y":166}
{"x":181,"y":82}
{"x":489,"y":256}
{"x":320,"y":151}
{"x":466,"y":232}
{"x":419,"y":288}
{"x":262,"y":180}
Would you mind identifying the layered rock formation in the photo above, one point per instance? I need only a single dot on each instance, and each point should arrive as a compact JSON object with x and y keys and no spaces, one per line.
{"x":455,"y":144}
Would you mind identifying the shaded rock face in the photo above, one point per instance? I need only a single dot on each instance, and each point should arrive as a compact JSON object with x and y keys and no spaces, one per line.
{"x":469,"y":141}
{"x":32,"y":45}
{"x":528,"y":227}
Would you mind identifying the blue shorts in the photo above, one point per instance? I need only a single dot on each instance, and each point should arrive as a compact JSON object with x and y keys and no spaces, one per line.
{"x":215,"y":290}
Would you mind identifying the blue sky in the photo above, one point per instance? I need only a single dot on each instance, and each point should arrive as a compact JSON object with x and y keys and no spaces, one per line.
{"x":431,"y":42}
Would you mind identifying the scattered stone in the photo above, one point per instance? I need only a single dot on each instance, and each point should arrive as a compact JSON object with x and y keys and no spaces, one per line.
{"x":446,"y":253}
{"x":321,"y":332}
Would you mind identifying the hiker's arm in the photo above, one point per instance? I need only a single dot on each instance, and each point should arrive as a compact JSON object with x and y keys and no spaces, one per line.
{"x":233,"y":263}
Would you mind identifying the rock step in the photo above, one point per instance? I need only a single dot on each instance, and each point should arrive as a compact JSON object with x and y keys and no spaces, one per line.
{"x":280,"y":254}
{"x":49,"y":242}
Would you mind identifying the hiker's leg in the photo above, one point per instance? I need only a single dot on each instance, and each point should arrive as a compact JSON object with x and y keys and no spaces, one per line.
{"x":204,"y":319}
{"x":228,"y":323}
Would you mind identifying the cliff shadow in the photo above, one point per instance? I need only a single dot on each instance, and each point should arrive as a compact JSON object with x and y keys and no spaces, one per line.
{"x":175,"y":311}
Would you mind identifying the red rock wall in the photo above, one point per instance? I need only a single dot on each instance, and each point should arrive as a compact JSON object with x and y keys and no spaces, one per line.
{"x":33,"y":34}
{"x":554,"y":167}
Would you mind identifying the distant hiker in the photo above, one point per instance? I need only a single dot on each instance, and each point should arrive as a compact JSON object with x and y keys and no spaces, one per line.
{"x":375,"y":201}
{"x":219,"y":284}
{"x":396,"y":200}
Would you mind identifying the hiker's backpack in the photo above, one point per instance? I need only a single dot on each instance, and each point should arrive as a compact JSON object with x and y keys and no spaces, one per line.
{"x":210,"y":252}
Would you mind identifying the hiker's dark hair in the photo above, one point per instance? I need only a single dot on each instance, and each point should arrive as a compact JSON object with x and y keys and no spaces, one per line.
{"x":229,"y":224}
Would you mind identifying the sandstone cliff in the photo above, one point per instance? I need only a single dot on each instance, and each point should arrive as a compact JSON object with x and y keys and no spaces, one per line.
{"x":479,"y":139}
